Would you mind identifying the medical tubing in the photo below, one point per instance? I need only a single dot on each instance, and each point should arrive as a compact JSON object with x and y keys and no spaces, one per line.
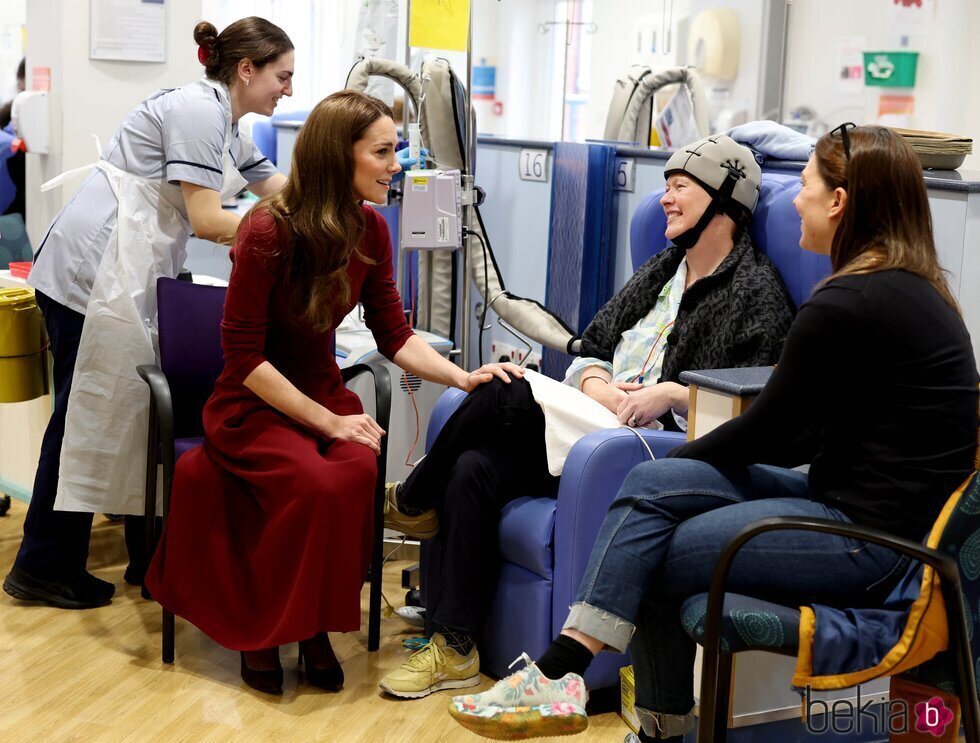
{"x":415,"y":142}
{"x":643,"y":369}
{"x":418,"y":428}
{"x":467,"y":233}
{"x":642,"y":440}
{"x":454,"y":293}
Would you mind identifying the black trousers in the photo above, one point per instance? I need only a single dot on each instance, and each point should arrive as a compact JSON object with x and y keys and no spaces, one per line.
{"x":55,"y":544}
{"x":490,"y":452}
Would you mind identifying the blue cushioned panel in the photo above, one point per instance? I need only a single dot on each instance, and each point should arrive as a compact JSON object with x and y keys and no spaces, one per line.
{"x":594,"y":471}
{"x":746,"y":624}
{"x":775,"y":230}
{"x":264,"y":137}
{"x":182,"y":446}
{"x":519,"y":620}
{"x":581,"y":251}
{"x":445,"y":406}
{"x":527,"y":528}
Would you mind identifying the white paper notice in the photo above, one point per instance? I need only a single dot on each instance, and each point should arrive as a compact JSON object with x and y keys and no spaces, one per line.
{"x":131,"y":30}
{"x":676,"y":125}
{"x":850,"y":64}
{"x":911,"y":17}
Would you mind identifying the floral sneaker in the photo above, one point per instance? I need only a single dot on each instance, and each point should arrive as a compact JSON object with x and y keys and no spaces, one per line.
{"x":526,"y":704}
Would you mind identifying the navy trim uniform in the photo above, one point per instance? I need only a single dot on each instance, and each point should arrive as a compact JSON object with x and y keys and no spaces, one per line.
{"x":175,"y":135}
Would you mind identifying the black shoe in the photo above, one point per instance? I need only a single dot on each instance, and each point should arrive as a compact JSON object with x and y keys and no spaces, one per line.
{"x":134,"y":574}
{"x":84,"y":592}
{"x":321,"y":665}
{"x":269,"y":681}
{"x":328,"y":679}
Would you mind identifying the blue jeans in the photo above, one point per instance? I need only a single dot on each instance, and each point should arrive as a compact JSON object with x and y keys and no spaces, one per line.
{"x":660,"y":542}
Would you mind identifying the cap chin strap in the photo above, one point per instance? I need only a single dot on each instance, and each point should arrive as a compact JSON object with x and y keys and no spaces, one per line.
{"x":721,"y":203}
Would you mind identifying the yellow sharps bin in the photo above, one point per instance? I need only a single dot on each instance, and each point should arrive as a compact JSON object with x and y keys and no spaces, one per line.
{"x":23,"y":343}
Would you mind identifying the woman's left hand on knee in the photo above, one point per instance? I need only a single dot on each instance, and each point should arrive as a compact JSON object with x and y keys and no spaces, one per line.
{"x":487,"y":372}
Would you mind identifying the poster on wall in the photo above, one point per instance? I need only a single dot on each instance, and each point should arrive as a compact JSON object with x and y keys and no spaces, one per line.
{"x":909,"y":17}
{"x":129,"y":30}
{"x":676,"y":125}
{"x":896,"y":109}
{"x":850,"y":64}
{"x":439,"y":24}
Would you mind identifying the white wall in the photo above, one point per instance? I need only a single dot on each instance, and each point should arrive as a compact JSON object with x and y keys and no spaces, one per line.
{"x":322,"y":31}
{"x":506,"y":33}
{"x":625,"y":36}
{"x":12,"y":21}
{"x":972,"y":93}
{"x":91,"y":96}
{"x":947,"y":97}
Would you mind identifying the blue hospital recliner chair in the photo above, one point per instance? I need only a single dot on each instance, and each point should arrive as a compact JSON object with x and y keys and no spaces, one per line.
{"x":545,"y":543}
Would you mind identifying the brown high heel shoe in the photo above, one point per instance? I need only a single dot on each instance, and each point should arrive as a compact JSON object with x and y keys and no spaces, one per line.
{"x":329,"y":677}
{"x":268,"y":681}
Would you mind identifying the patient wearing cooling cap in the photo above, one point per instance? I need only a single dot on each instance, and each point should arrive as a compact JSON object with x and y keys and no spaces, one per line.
{"x":710,"y":300}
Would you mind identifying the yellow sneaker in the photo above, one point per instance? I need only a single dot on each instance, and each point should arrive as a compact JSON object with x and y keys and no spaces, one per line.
{"x":423,"y":526}
{"x":433,"y":668}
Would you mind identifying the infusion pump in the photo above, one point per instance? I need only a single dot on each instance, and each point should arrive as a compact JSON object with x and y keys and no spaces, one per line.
{"x":431,"y":217}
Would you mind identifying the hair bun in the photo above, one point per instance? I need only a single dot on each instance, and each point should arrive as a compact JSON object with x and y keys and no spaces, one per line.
{"x":205,"y":34}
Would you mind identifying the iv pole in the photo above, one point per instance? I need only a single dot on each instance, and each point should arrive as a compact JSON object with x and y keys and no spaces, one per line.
{"x":780,"y":109}
{"x":468,"y":193}
{"x":470,"y":159}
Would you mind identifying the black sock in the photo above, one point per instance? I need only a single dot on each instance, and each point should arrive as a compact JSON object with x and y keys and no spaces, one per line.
{"x":564,"y":655}
{"x":461,"y":642}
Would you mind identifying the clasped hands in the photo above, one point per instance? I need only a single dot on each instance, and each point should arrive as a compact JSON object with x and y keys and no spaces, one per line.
{"x":636,"y":405}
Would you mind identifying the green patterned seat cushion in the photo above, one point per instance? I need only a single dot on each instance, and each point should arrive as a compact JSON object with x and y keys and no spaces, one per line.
{"x":747,"y":624}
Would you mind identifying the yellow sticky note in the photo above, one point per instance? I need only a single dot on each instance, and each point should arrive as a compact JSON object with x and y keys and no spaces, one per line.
{"x":440,"y":24}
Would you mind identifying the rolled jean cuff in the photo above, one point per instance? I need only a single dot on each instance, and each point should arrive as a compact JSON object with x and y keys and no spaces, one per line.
{"x":616,"y":633}
{"x":660,"y":725}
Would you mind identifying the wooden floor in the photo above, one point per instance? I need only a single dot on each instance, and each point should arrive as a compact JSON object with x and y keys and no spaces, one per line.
{"x":96,"y":675}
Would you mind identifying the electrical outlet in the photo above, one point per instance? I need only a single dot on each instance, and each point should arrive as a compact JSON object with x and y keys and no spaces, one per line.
{"x":503,"y":352}
{"x":506,"y":352}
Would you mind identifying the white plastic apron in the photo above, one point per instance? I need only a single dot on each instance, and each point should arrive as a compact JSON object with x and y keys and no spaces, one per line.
{"x":103,"y":457}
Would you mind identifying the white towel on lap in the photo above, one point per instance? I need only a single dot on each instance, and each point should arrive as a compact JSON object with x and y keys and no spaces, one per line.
{"x":568,"y":416}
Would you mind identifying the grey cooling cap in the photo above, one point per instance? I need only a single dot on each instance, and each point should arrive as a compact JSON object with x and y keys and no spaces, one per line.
{"x":711,"y":159}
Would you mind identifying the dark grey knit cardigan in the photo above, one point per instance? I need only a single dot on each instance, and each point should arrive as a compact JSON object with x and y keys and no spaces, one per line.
{"x":737,"y":316}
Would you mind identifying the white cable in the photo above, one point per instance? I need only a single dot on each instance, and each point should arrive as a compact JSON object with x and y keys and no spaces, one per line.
{"x":642,"y":441}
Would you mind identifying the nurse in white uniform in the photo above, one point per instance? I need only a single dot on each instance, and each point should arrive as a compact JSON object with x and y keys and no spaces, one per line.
{"x":162,"y":178}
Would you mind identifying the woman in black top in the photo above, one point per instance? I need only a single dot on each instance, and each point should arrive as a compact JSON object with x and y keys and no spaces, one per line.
{"x":876,"y":389}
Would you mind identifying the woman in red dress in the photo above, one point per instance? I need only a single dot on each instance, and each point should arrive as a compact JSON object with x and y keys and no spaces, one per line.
{"x":270,"y":528}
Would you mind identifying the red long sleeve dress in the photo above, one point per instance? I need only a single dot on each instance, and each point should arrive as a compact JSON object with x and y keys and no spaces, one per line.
{"x":269,"y":535}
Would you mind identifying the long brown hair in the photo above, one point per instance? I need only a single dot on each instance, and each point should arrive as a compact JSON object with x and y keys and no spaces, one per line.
{"x":317,"y":211}
{"x":887,"y":223}
{"x":250,"y":38}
